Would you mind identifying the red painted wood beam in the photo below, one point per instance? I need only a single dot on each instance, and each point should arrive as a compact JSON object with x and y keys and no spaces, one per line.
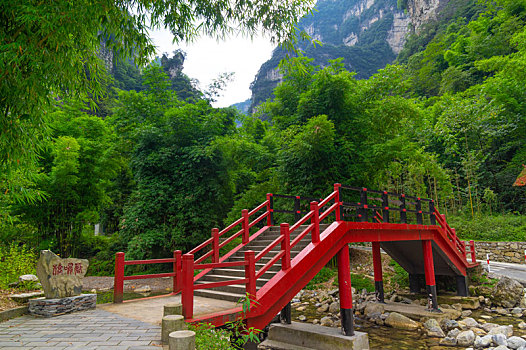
{"x":344,"y":285}
{"x":378,"y":276}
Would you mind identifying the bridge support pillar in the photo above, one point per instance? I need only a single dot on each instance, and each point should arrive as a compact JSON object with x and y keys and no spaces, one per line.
{"x":344,"y":284}
{"x":378,"y":276}
{"x":462,"y":286}
{"x":429,"y":269}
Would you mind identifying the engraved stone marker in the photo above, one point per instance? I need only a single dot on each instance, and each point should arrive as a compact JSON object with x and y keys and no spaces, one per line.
{"x":59,"y":277}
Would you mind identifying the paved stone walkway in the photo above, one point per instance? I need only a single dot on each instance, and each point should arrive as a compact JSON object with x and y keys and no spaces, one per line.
{"x":87,"y":330}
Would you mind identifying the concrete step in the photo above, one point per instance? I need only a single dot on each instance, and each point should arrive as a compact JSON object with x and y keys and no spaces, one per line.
{"x":268,"y":344}
{"x":311,"y":336}
{"x":215,"y":294}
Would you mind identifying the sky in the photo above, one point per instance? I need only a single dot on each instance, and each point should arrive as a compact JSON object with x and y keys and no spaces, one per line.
{"x":207,"y":58}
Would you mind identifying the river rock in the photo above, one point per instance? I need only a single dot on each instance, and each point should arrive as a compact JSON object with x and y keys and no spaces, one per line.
{"x":433,"y":329}
{"x":326,"y":322}
{"x":465,"y":338}
{"x":371,"y":308}
{"x":516,"y":342}
{"x":302,"y":318}
{"x":453,"y":333}
{"x":323,"y":308}
{"x":470,"y":322}
{"x":397,"y":320}
{"x":143,"y":289}
{"x":516,"y":311}
{"x":522,"y":325}
{"x":448,"y":341}
{"x":482,"y":342}
{"x":334,"y":307}
{"x":60,"y":278}
{"x":501,"y":347}
{"x":507,"y":292}
{"x":447,"y":324}
{"x":466,"y":313}
{"x":505,"y":330}
{"x":499,"y":339}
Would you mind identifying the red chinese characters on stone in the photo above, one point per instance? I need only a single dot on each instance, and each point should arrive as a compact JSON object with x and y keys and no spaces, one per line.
{"x":78,"y":268}
{"x":69,"y":268}
{"x":57,"y":269}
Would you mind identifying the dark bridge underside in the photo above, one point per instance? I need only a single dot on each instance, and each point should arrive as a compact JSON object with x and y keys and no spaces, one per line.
{"x":409,"y":255}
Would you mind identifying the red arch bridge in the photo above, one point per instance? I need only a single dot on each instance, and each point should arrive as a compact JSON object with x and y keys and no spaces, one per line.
{"x":273,"y":263}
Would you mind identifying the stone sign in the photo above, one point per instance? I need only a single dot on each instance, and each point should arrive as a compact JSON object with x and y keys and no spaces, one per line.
{"x":60,"y":278}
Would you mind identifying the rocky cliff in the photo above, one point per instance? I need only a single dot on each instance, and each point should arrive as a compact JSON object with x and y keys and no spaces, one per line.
{"x":368,"y":34}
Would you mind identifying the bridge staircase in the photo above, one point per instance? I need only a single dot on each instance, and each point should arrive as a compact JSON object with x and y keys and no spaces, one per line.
{"x":271,"y":264}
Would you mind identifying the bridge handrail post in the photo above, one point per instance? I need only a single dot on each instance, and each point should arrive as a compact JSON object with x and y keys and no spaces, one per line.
{"x":363,"y":201}
{"x":403,"y":213}
{"x":187,"y":292}
{"x":177,"y":266}
{"x":285,"y":246}
{"x":118,"y":283}
{"x":215,"y":245}
{"x":297,"y":210}
{"x":337,"y":214}
{"x":385,"y":206}
{"x":472,"y":251}
{"x":418,"y":208}
{"x":250,"y":273}
{"x":246,"y":229}
{"x":432,"y":219}
{"x":270,"y":209}
{"x":315,"y":233}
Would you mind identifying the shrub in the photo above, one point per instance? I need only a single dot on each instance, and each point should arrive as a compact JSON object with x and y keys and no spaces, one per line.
{"x":323,"y":276}
{"x":503,"y":227}
{"x":15,"y":260}
{"x":400,"y":277}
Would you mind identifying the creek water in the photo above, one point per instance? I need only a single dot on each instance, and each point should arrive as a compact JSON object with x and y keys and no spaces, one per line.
{"x":384,"y":337}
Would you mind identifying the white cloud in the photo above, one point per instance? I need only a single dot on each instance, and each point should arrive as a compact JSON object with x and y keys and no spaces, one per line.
{"x":207,"y":58}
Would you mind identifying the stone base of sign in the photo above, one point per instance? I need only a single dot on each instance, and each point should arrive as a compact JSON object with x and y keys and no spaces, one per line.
{"x":54,"y":307}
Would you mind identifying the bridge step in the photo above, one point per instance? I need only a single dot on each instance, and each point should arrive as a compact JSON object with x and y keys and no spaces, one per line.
{"x":218,"y":278}
{"x":220,"y":295}
{"x":309,"y":336}
{"x":240,"y":273}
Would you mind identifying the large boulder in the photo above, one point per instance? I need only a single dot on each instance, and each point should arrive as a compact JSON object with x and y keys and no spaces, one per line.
{"x":397,"y":320}
{"x":507,"y":292}
{"x":433,"y":329}
{"x":466,"y":338}
{"x":60,"y":278}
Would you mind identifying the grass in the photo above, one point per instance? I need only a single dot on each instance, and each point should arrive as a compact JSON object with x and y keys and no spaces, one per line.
{"x":501,"y":227}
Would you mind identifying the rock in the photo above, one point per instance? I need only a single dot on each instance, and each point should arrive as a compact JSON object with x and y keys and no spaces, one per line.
{"x":447,"y":341}
{"x":323,"y":308}
{"x":315,"y":321}
{"x":301,"y":308}
{"x":326,"y":322}
{"x":499,"y":339}
{"x":507,"y":292}
{"x":505,"y":330}
{"x":482,"y":342}
{"x":478,"y":331}
{"x":481,"y":298}
{"x":60,"y":277}
{"x":334,"y":307}
{"x":333,"y":292}
{"x":466,"y":313}
{"x":397,"y":320}
{"x":27,"y":278}
{"x":406,"y":301}
{"x":447,"y":324}
{"x":488,"y":326}
{"x":522,"y":325}
{"x":371,"y":308}
{"x":470,"y":322}
{"x":302,"y":318}
{"x":517,"y":311}
{"x":516,"y":342}
{"x":501,"y":347}
{"x":501,"y":311}
{"x":486,"y":317}
{"x":24,"y":297}
{"x":457,"y":306}
{"x":433,"y":329}
{"x":465,"y":338}
{"x":453,"y":333}
{"x":522,"y":302}
{"x":143,"y":289}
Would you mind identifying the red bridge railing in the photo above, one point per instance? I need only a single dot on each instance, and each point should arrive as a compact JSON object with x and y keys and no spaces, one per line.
{"x":369,"y":205}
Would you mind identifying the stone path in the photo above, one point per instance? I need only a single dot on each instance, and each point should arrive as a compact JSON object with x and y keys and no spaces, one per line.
{"x":94,"y":329}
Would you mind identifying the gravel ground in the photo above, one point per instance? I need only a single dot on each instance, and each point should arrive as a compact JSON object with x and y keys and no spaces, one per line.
{"x":106,"y":283}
